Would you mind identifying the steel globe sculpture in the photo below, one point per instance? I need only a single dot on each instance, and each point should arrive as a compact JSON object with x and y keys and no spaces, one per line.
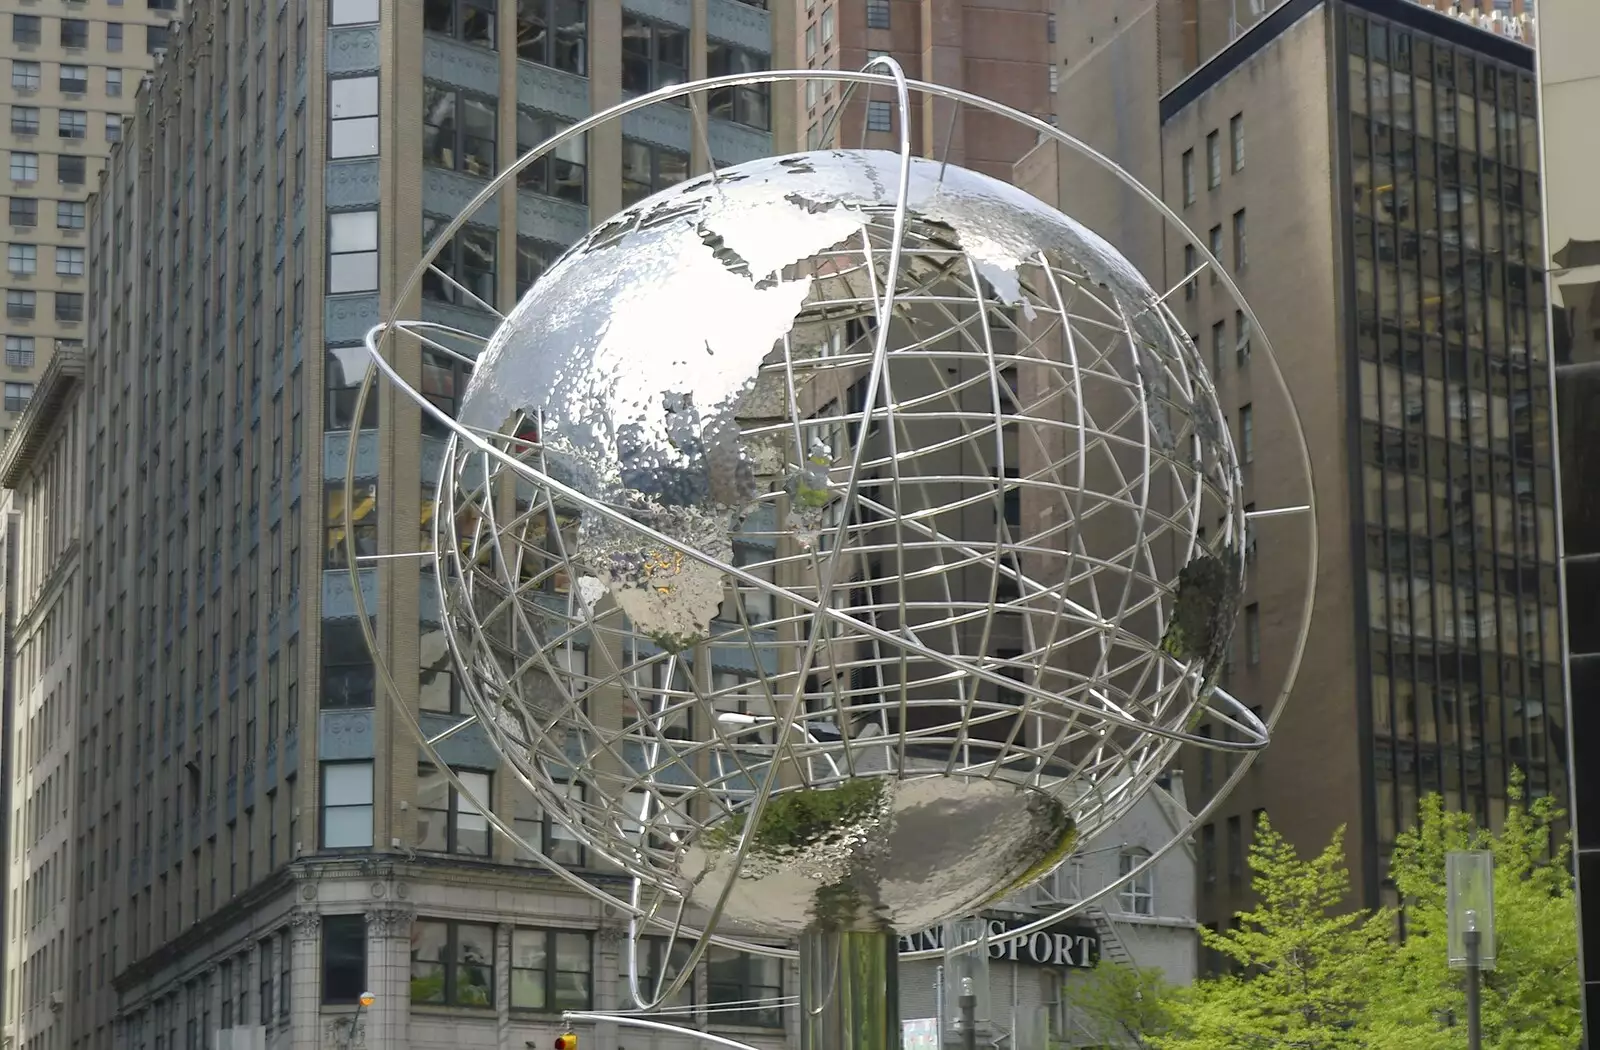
{"x":824,"y":542}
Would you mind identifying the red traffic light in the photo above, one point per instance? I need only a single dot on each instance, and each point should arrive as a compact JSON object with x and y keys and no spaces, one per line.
{"x":569,"y":1041}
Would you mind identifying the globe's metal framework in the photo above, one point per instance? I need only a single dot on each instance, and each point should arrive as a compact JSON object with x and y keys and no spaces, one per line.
{"x":645,"y":469}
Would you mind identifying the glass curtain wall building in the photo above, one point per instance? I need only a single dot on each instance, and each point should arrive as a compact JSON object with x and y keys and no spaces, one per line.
{"x":258,"y":842}
{"x":1368,"y":170}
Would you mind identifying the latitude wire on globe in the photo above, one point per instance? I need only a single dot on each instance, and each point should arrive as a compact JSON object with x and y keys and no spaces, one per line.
{"x":1040,"y":127}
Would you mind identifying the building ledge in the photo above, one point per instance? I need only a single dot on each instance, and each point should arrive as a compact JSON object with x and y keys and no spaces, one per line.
{"x":61,"y":376}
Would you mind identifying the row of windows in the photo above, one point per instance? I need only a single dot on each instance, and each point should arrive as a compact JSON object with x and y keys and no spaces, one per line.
{"x":70,"y":123}
{"x":22,"y":260}
{"x":551,"y":969}
{"x":71,"y":170}
{"x":22,"y":304}
{"x":27,"y":77}
{"x":1214,"y":158}
{"x":70,"y":215}
{"x":74,"y":33}
{"x":1191,"y":255}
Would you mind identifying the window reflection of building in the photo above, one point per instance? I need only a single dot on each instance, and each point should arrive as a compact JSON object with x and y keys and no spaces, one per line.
{"x":1454,"y":400}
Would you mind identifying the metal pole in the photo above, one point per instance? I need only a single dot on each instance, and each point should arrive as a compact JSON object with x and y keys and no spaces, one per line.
{"x":849,"y":990}
{"x":1474,"y":1028}
{"x":969,"y":1015}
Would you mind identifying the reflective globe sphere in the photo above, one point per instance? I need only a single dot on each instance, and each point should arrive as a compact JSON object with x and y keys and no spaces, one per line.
{"x":912,"y":515}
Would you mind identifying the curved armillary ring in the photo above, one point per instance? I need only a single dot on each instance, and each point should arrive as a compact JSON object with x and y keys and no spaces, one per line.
{"x":823,"y":540}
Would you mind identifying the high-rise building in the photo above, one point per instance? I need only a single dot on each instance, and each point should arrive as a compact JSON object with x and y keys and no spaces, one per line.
{"x":995,"y":50}
{"x":258,"y":842}
{"x":1368,"y":172}
{"x":1569,"y":75}
{"x":41,"y":468}
{"x":71,"y":77}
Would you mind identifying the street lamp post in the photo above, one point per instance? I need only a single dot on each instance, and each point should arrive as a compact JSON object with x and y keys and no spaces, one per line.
{"x":1469,"y":911}
{"x":365,"y":1001}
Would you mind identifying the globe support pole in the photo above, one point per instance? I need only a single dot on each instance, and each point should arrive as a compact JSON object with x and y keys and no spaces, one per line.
{"x":849,"y":989}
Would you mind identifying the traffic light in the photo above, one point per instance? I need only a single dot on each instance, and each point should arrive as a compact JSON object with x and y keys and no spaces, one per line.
{"x":569,"y":1041}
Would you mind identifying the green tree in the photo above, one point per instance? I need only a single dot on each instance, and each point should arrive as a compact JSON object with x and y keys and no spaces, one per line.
{"x":1531,"y":999}
{"x":1130,"y":1006}
{"x":1302,"y":962}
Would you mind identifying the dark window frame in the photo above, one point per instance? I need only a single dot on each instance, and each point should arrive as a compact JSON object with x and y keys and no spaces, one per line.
{"x":340,"y":401}
{"x":74,"y":33}
{"x":562,"y":173}
{"x":27,"y":29}
{"x":349,"y":677}
{"x":536,"y":43}
{"x":466,"y":148}
{"x":743,"y":990}
{"x":71,"y":170}
{"x":450,"y":966}
{"x":345,"y":989}
{"x":24,"y":126}
{"x":452,"y":812}
{"x":323,"y":805}
{"x":649,"y":67}
{"x":69,"y":307}
{"x":366,"y":535}
{"x":749,"y":105}
{"x":631,"y":188}
{"x":549,"y":974}
{"x":28,"y":215}
{"x":472,"y":22}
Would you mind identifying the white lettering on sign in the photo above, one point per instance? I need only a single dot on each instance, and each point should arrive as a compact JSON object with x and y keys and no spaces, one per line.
{"x":1058,"y":948}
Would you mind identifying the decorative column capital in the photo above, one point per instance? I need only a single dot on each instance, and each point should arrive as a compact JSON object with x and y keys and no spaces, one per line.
{"x":305,"y":925}
{"x":390,"y":922}
{"x":611,"y":936}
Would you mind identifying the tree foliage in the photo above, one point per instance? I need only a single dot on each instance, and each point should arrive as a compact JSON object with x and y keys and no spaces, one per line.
{"x":1123,"y":1006}
{"x":1309,"y":974}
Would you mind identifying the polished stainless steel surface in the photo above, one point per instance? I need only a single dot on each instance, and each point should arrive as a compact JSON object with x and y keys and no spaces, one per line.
{"x":850,"y":990}
{"x":876,"y":495}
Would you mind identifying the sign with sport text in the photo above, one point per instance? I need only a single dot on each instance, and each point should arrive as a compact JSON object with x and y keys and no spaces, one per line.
{"x":1060,"y":947}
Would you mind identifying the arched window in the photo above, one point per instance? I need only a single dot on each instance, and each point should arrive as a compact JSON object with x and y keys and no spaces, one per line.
{"x":1138,"y":894}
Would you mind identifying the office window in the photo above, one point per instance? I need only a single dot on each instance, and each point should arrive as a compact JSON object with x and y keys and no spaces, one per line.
{"x":72,"y":124}
{"x":1252,"y":634}
{"x":877,"y":14}
{"x":533,"y":259}
{"x":74,"y":80}
{"x":26,"y":76}
{"x":653,"y":55}
{"x":21,"y":304}
{"x":346,"y":808}
{"x":880,"y":115}
{"x":551,"y":970}
{"x":740,"y":980}
{"x":113,"y":36}
{"x":114,"y":83}
{"x":452,"y":963}
{"x":69,"y":306}
{"x":24,"y":211}
{"x":1191,"y":263}
{"x":554,"y":33}
{"x":1208,"y":856}
{"x":155,"y":39}
{"x":24,"y":167}
{"x":352,"y":12}
{"x":1247,"y":434}
{"x":1241,"y":337}
{"x":343,"y":369}
{"x":352,"y":251}
{"x":19,"y":351}
{"x":1241,"y":255}
{"x":70,"y":171}
{"x":1213,"y":160}
{"x":353,"y":117}
{"x":161,"y":5}
{"x":348,"y":678}
{"x":22,"y":259}
{"x":1050,"y":29}
{"x":26,"y":29}
{"x":458,"y":130}
{"x":1215,"y":244}
{"x":69,"y":262}
{"x":1138,"y":894}
{"x":1188,"y":177}
{"x":749,"y":105}
{"x":471,"y":21}
{"x":468,"y":260}
{"x":1236,"y":140}
{"x":24,"y":120}
{"x":113,"y":127}
{"x":658,"y":967}
{"x":811,"y":42}
{"x":363,"y":521}
{"x":17,"y":396}
{"x":74,"y":32}
{"x":344,"y":958}
{"x":447,"y":820}
{"x":560,"y":173}
{"x":539,"y":829}
{"x":1235,"y":853}
{"x":647,"y":168}
{"x":444,"y":379}
{"x":1219,"y":343}
{"x":827,"y":24}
